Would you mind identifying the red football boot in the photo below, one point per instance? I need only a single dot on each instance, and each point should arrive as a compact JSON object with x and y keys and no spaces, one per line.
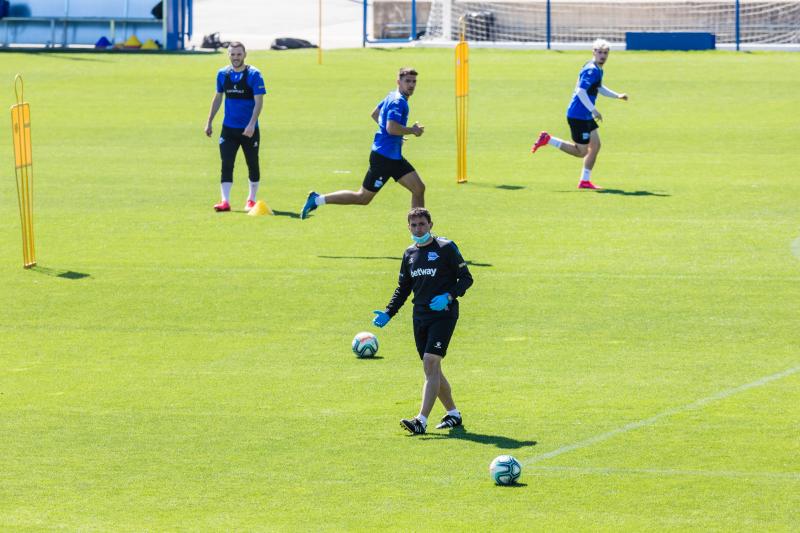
{"x":585,"y":184}
{"x":222,"y":206}
{"x":543,"y":139}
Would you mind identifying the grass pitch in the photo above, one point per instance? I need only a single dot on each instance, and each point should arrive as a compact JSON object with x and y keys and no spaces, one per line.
{"x":168,"y":368}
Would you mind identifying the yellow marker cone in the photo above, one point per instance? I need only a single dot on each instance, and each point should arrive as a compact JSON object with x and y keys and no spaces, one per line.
{"x":260,"y":209}
{"x":150,"y":44}
{"x":133,"y":42}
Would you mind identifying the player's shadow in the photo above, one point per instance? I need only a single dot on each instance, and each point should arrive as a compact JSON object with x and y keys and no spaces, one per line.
{"x":461,"y":433}
{"x":504,"y":187}
{"x":622,"y":192}
{"x":56,"y":273}
{"x":290,"y":214}
{"x":470,"y":263}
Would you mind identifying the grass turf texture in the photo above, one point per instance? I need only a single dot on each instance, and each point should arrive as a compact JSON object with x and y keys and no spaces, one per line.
{"x":167,"y":367}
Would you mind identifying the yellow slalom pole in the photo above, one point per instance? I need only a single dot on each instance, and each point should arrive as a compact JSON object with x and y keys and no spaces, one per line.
{"x":462,"y":94}
{"x":23,"y":169}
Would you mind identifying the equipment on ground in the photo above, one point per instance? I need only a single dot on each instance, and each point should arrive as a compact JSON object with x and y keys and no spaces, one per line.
{"x":505,"y":470}
{"x":23,"y":168}
{"x":365,"y":344}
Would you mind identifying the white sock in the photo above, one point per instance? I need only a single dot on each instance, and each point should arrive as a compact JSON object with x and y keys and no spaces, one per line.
{"x":225,"y":187}
{"x":253,"y":190}
{"x":422,"y":418}
{"x":320,"y":200}
{"x":586,"y":174}
{"x":454,"y":412}
{"x":555,"y":142}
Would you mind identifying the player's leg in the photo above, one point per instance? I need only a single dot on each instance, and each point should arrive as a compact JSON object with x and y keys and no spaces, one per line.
{"x":229,"y":141}
{"x":359,"y":197}
{"x":432,"y":364}
{"x":593,"y":147}
{"x":376,"y":176}
{"x":453,"y":416}
{"x":413,"y":183}
{"x":418,"y":424}
{"x":250,"y":147}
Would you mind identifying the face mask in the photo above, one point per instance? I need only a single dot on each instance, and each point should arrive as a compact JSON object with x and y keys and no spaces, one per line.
{"x":423,"y":239}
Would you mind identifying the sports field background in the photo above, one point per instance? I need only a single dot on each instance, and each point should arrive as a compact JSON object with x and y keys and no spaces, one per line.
{"x":168,"y":368}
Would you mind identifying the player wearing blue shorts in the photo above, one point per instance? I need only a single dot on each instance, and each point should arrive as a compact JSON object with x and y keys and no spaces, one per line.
{"x":386,"y":158}
{"x":434,"y":270}
{"x":583,"y":116}
{"x":244,"y":92}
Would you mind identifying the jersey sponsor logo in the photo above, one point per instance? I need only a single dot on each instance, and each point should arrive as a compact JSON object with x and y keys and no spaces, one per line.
{"x":433,"y":256}
{"x":423,"y":272}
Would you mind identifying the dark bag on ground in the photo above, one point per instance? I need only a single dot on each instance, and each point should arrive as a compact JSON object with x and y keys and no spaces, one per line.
{"x":212,"y":41}
{"x":158,"y":11}
{"x":290,"y":43}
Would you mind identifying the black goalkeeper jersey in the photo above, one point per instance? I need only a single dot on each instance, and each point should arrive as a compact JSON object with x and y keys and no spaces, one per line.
{"x":430,"y":271}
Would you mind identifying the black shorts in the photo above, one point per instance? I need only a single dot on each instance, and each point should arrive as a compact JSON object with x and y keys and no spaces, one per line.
{"x":382,"y":168}
{"x":433,"y":336}
{"x":581,"y":129}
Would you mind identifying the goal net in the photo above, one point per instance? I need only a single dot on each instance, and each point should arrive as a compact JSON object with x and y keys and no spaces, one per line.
{"x":581,"y":21}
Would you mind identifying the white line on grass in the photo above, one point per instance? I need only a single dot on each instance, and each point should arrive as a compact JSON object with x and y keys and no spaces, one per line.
{"x":652,"y":420}
{"x":796,"y":248}
{"x":668,"y":472}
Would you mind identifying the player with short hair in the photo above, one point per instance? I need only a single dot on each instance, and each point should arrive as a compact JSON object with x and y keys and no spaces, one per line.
{"x":434,"y":270}
{"x":386,"y":158}
{"x":244,"y":92}
{"x":582,"y":115}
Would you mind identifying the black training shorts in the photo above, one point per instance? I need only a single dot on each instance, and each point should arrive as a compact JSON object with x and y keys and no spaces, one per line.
{"x":581,"y":129}
{"x":433,"y":336}
{"x":382,"y":168}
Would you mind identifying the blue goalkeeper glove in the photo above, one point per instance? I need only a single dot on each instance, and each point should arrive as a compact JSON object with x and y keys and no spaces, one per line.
{"x":439,"y":303}
{"x":381,"y":319}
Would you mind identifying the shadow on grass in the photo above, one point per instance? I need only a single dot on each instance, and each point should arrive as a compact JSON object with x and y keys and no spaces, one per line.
{"x":56,"y":273}
{"x":373,"y":358}
{"x":505,"y":187}
{"x":622,"y":192}
{"x":506,"y":443}
{"x":470,"y":263}
{"x":290,"y":214}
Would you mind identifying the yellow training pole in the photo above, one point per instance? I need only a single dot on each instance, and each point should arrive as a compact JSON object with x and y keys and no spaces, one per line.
{"x":462,"y":93}
{"x":23,"y":168}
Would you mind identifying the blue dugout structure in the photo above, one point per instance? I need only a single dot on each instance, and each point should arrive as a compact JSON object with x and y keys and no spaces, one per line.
{"x":63,"y":23}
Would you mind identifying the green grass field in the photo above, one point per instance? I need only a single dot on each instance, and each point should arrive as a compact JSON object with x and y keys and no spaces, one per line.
{"x":169,"y":368}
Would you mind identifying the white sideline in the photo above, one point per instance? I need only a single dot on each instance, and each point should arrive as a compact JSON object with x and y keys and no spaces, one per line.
{"x":796,"y":248}
{"x":652,"y":420}
{"x":668,"y":472}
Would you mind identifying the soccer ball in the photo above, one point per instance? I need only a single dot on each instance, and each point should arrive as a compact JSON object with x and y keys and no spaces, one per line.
{"x":365,"y":344}
{"x":505,"y":470}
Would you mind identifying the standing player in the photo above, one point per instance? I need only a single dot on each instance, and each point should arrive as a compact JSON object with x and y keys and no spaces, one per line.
{"x":386,"y":159}
{"x":433,"y":268}
{"x":582,"y":115}
{"x":244,"y":92}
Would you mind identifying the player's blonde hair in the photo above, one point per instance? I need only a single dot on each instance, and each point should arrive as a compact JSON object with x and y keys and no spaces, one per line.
{"x":601,"y":44}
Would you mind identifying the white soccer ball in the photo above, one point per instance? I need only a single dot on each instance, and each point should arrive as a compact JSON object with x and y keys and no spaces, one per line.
{"x":365,"y":344}
{"x":505,"y":470}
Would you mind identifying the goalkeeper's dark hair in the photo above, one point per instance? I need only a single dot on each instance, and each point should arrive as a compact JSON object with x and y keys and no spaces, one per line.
{"x":237,"y":44}
{"x":418,"y":212}
{"x":406,"y":71}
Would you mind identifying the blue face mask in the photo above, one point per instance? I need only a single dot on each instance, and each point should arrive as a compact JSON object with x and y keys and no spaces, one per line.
{"x":423,"y":239}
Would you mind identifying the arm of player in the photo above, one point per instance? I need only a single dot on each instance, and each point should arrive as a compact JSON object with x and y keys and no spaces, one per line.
{"x":215,"y":105}
{"x":463,"y":275}
{"x":395,"y":128}
{"x":402,"y":291}
{"x":375,"y":114}
{"x":605,"y":91}
{"x":583,"y":96}
{"x":251,"y":126}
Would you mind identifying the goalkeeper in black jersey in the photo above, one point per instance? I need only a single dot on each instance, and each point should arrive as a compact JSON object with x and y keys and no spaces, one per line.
{"x":434,"y":269}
